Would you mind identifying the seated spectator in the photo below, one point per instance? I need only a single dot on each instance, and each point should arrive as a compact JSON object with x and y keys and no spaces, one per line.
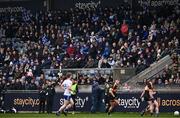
{"x":53,"y":41}
{"x":90,"y":63}
{"x":105,"y":64}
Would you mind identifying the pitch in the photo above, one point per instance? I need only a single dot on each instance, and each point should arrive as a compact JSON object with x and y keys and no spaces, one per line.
{"x":84,"y":115}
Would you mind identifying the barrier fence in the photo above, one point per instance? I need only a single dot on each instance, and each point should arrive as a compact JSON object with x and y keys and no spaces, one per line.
{"x":122,"y":74}
{"x":129,"y":102}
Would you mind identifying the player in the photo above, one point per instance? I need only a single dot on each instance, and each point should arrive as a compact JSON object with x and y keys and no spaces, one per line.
{"x":106,"y":96}
{"x":112,"y":96}
{"x":154,"y":105}
{"x":148,"y":95}
{"x":68,"y":102}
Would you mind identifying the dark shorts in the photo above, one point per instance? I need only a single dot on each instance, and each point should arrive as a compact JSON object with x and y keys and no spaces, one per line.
{"x":66,"y":97}
{"x":106,"y":99}
{"x":111,"y":98}
{"x":152,"y":99}
{"x":146,"y":99}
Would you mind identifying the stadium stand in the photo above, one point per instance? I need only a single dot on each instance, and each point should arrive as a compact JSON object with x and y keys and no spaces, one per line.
{"x":95,"y":38}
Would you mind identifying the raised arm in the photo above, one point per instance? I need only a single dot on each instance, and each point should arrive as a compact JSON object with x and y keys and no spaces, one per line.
{"x":111,"y":92}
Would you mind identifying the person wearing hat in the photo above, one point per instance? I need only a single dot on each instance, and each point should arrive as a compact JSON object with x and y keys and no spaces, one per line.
{"x":74,"y":91}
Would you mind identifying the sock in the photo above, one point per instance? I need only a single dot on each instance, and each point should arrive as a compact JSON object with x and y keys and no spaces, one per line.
{"x":142,"y":112}
{"x":157,"y":113}
{"x":109,"y":112}
{"x":65,"y":110}
{"x":107,"y":108}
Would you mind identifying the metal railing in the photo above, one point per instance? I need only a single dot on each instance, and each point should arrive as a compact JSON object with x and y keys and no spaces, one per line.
{"x":155,"y":68}
{"x":116,"y":73}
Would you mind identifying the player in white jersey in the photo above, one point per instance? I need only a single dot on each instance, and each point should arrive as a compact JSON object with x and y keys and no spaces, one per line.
{"x":68,"y":101}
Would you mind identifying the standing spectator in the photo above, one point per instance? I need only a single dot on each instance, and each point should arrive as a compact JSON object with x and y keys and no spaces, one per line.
{"x":95,"y":95}
{"x":42,"y":99}
{"x":50,"y":92}
{"x":124,"y":29}
{"x":71,"y":50}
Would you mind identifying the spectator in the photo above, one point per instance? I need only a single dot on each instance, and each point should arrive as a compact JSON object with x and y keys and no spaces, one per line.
{"x":70,"y":51}
{"x":50,"y":92}
{"x":111,"y":36}
{"x":105,"y":64}
{"x":95,"y":95}
{"x":140,"y":67}
{"x":90,"y":63}
{"x":18,"y":85}
{"x":124,"y":28}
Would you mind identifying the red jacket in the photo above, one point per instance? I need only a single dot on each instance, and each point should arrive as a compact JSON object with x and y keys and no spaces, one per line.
{"x":70,"y":51}
{"x":124,"y":29}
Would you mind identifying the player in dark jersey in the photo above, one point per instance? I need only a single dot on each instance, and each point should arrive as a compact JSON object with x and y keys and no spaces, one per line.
{"x":106,"y":95}
{"x":112,"y":96}
{"x":148,"y":95}
{"x":155,"y":104}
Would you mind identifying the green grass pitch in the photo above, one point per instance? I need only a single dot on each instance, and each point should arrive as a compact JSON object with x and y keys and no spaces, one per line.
{"x":84,"y":115}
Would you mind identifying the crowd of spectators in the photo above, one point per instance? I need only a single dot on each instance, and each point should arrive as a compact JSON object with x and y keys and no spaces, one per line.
{"x":76,"y":38}
{"x":170,"y":75}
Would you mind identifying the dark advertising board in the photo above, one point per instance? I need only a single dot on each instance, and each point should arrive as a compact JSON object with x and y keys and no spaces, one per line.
{"x":30,"y":101}
{"x":129,"y":102}
{"x":154,"y":3}
{"x":35,"y":5}
{"x":18,"y":5}
{"x":86,"y":4}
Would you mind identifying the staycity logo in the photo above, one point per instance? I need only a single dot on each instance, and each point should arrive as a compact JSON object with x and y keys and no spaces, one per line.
{"x":129,"y":103}
{"x":79,"y":102}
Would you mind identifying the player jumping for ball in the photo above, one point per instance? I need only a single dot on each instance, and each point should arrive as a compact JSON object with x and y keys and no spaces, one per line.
{"x":112,"y":96}
{"x":148,"y":95}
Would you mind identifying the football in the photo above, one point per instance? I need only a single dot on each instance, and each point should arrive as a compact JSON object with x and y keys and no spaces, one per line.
{"x":176,"y":113}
